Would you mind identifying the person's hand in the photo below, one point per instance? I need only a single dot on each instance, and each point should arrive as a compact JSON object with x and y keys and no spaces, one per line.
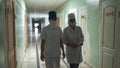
{"x":81,"y":44}
{"x":42,"y":57}
{"x":63,"y":55}
{"x":74,"y":45}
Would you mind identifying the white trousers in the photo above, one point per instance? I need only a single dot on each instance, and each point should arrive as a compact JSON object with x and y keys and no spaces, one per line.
{"x":52,"y":62}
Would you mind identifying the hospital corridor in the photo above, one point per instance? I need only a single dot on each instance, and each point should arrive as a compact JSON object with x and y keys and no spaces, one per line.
{"x":22,"y":23}
{"x":32,"y":56}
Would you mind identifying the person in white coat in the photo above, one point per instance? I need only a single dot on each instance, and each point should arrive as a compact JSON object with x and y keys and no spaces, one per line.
{"x":73,"y":39}
{"x":52,"y":43}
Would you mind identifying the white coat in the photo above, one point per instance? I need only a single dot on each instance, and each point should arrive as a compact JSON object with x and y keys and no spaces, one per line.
{"x":52,"y":34}
{"x":73,"y":55}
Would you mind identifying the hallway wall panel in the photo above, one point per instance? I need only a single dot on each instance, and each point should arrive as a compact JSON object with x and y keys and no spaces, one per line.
{"x":20,"y":37}
{"x":93,"y":30}
{"x":2,"y":35}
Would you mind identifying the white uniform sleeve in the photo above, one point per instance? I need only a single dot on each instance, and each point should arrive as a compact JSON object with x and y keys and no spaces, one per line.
{"x":81,"y":37}
{"x":65,"y":38}
{"x":61,"y":34}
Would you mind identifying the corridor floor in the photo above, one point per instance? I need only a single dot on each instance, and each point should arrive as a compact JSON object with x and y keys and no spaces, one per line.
{"x":32,"y":56}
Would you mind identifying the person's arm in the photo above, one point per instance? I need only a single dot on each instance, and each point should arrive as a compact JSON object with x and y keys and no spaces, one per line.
{"x":73,"y":45}
{"x":65,"y":37}
{"x":62,"y":47}
{"x":42,"y":49}
{"x":81,"y":37}
{"x":42,"y":44}
{"x":61,"y":43}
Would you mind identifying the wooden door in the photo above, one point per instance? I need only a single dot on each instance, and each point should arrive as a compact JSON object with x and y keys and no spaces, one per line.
{"x":10,"y":34}
{"x":25,"y":32}
{"x":108,"y":39}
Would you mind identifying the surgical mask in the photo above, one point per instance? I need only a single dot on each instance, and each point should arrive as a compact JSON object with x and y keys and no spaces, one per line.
{"x":72,"y":24}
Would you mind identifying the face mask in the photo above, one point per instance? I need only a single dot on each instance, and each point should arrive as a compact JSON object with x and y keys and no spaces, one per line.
{"x":72,"y":24}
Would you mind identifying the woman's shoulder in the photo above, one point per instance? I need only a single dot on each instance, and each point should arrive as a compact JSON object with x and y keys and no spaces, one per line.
{"x":78,"y":27}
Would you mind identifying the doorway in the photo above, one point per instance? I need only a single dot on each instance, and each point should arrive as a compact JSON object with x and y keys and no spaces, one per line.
{"x":10,"y":34}
{"x":108,"y":47}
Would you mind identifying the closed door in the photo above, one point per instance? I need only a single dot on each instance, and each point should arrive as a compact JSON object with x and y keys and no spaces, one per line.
{"x":10,"y":34}
{"x":108,"y":38}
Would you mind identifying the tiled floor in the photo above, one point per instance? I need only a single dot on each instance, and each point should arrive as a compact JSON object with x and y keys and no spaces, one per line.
{"x":32,"y":57}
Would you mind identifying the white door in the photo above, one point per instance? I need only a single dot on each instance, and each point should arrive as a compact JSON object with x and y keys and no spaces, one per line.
{"x":108,"y":38}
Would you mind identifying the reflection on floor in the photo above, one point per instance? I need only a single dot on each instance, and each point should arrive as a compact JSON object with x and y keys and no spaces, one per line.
{"x":32,"y":56}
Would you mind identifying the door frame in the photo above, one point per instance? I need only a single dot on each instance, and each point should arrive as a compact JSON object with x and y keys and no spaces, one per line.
{"x":103,"y":6}
{"x":9,"y":4}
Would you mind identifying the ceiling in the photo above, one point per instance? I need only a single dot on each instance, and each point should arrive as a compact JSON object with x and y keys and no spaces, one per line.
{"x":43,"y":6}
